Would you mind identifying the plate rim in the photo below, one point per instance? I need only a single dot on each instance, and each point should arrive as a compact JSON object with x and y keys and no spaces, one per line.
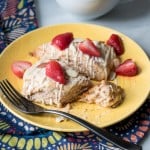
{"x":87,"y":24}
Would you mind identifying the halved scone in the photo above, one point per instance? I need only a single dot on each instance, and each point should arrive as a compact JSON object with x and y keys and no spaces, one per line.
{"x":40,"y":88}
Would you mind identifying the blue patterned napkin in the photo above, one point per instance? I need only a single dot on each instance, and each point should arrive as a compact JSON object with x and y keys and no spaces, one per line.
{"x":16,"y":18}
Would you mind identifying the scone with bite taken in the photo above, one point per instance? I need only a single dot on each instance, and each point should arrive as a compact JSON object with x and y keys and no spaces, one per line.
{"x":53,"y":82}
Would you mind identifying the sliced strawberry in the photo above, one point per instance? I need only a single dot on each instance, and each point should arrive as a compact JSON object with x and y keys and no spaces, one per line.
{"x":127,"y":68}
{"x":116,"y":42}
{"x":19,"y":67}
{"x":62,"y":41}
{"x":55,"y":71}
{"x":89,"y":48}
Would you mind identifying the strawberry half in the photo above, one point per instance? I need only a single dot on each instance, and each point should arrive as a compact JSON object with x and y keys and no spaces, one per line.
{"x":62,"y":41}
{"x":55,"y":71}
{"x":127,"y":68}
{"x":89,"y":48}
{"x":116,"y":42}
{"x":19,"y":67}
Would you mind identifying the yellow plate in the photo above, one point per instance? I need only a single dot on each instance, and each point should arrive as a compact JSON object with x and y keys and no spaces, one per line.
{"x":136,"y":88}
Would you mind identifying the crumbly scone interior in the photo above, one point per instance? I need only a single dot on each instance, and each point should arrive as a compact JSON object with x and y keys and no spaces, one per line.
{"x":105,"y":94}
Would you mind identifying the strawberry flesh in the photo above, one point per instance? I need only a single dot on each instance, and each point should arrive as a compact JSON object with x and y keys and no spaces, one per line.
{"x":88,"y":47}
{"x":55,"y":71}
{"x":19,"y":67}
{"x":62,"y":41}
{"x":127,"y":68}
{"x":116,"y":42}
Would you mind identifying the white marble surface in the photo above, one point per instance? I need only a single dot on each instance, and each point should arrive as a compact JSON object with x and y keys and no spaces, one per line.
{"x":131,"y":17}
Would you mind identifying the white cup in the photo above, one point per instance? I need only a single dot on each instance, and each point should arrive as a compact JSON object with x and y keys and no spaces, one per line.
{"x":87,"y":9}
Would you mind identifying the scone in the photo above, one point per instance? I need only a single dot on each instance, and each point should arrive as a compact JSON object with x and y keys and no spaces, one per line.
{"x":106,"y":94}
{"x":40,"y":88}
{"x":97,"y":68}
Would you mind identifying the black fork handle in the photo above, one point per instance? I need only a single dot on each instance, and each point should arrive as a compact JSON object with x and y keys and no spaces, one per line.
{"x":117,"y":141}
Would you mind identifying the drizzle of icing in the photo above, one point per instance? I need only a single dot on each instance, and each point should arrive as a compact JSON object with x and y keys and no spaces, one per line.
{"x":82,"y":61}
{"x":67,"y":54}
{"x":58,"y":92}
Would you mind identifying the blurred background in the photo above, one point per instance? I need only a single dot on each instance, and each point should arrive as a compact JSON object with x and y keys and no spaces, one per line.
{"x":131,"y":17}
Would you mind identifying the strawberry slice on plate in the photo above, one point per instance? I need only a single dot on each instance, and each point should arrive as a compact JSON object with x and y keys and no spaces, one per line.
{"x":116,"y":42}
{"x":127,"y":68}
{"x":55,"y":71}
{"x":63,"y":40}
{"x":19,"y":67}
{"x":88,"y":47}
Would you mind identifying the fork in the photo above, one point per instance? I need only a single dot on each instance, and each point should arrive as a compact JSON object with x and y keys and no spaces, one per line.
{"x":26,"y":106}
